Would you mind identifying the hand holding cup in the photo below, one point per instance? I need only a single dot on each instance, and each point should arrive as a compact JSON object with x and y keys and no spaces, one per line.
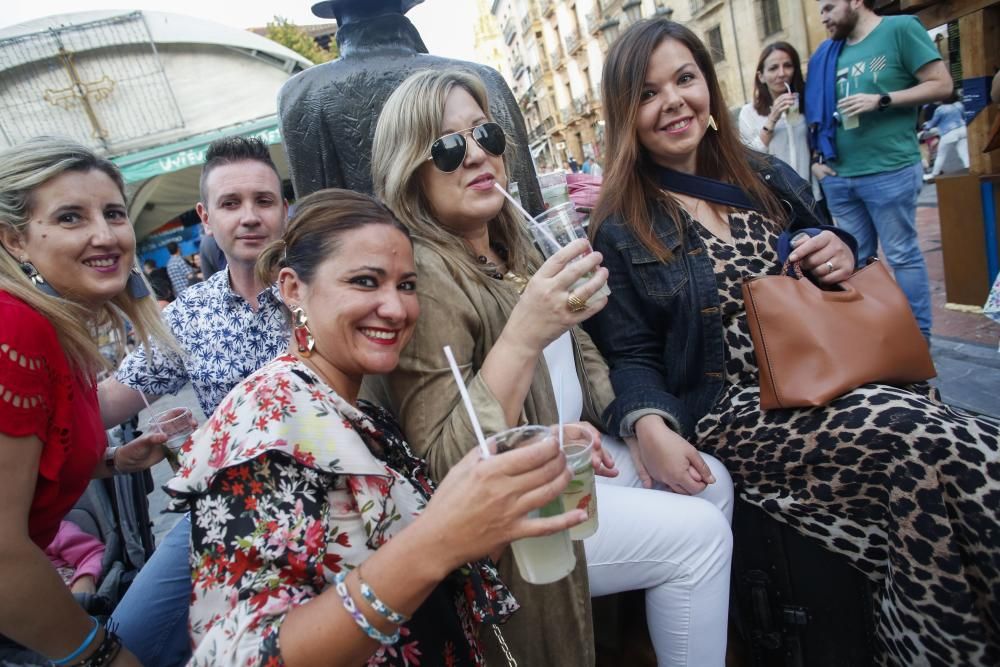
{"x":482,"y":505}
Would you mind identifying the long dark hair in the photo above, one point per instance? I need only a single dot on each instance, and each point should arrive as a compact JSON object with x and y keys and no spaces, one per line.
{"x":629,"y":179}
{"x":762,"y":98}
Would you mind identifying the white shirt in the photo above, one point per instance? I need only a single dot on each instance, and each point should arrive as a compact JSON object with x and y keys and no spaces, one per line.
{"x":789,"y":143}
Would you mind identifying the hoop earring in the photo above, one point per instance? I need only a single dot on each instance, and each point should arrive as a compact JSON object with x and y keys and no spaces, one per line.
{"x":300,"y":329}
{"x":711,"y":122}
{"x":36,"y":279}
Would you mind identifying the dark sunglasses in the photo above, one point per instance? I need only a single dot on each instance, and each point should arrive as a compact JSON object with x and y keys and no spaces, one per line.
{"x":448,"y":152}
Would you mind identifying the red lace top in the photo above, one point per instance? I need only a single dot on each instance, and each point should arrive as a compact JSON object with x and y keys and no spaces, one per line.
{"x":40,"y":396}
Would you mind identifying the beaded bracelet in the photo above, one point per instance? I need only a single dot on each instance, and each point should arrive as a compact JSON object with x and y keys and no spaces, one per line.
{"x":106,"y":652}
{"x":382,"y":608}
{"x":359,"y":618}
{"x":82,"y":647}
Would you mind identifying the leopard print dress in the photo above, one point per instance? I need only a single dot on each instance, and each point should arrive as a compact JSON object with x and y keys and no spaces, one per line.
{"x":893,"y":479}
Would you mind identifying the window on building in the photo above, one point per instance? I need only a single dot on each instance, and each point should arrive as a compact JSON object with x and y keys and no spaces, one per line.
{"x":768,"y":17}
{"x":714,"y":36}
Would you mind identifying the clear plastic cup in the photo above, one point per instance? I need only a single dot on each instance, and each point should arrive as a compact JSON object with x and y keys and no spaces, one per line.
{"x":849,"y":121}
{"x":174,"y":423}
{"x":792,"y":114}
{"x":558,"y":227}
{"x":540,"y":560}
{"x":580,"y":493}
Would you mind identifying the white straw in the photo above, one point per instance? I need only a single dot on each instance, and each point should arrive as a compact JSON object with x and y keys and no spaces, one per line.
{"x":468,"y":402}
{"x":559,"y":409}
{"x":545,"y":232}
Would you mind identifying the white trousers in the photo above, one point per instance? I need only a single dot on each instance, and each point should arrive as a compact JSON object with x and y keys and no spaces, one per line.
{"x":678,"y":548}
{"x":954,"y":143}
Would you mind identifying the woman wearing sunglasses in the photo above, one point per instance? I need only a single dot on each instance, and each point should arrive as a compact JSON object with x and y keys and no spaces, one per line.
{"x":511,"y":321}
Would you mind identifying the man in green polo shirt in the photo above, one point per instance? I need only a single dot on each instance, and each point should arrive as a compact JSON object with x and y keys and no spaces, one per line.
{"x":886,"y":69}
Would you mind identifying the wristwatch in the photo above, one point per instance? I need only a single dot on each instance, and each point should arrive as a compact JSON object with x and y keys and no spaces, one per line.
{"x":884,"y":101}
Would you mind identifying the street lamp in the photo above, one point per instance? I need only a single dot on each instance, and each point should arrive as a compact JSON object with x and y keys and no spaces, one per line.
{"x":665,"y":12}
{"x":609,"y":30}
{"x":633,"y":10}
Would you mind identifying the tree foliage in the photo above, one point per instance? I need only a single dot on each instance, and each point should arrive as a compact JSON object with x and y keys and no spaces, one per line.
{"x":286,"y":33}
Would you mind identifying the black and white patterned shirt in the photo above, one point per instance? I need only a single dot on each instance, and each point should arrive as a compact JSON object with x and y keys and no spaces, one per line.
{"x":224,"y":339}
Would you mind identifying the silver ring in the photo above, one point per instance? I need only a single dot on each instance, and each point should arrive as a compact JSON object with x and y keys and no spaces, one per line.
{"x":830,"y":268}
{"x":575,"y":303}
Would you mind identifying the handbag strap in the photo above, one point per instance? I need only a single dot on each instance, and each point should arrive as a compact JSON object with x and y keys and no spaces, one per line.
{"x":511,"y":662}
{"x":708,"y":189}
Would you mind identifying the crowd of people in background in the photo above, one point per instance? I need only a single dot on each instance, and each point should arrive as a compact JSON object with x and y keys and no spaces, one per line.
{"x":337,"y":504}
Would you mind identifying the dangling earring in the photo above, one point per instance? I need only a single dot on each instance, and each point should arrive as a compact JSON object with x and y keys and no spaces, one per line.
{"x":300,"y":329}
{"x":36,"y":278}
{"x":136,"y":285}
{"x":711,"y":122}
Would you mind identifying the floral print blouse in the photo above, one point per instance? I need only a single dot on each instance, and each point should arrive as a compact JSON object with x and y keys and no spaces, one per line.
{"x":288,"y":484}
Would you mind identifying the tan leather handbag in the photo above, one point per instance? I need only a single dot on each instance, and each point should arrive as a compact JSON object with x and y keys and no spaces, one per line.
{"x":813,"y":345}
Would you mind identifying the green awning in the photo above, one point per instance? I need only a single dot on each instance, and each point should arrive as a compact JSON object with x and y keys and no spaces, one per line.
{"x":190,"y":152}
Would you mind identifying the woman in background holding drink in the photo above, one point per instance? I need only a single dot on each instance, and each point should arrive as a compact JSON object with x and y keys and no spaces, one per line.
{"x":512,"y":323}
{"x":774,"y":122}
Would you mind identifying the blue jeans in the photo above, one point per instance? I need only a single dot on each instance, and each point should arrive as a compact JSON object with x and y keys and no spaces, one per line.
{"x":883,"y":207}
{"x":152,"y":618}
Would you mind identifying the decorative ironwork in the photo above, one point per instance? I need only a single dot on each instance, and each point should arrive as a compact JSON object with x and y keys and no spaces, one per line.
{"x":100,"y":83}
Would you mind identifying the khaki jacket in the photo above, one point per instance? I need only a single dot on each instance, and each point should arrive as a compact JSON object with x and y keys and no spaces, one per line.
{"x":554,"y":626}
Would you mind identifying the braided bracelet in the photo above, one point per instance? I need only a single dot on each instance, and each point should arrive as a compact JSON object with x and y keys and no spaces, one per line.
{"x":106,"y":652}
{"x":382,"y":608}
{"x":359,"y":618}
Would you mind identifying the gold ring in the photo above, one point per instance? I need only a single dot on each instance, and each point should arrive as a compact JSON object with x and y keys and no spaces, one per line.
{"x":575,"y":303}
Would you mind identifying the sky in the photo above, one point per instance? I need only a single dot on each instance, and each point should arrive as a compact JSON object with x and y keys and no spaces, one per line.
{"x":445,"y":25}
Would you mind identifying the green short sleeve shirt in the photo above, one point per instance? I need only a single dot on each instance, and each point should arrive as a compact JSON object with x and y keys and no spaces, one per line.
{"x":885,"y":61}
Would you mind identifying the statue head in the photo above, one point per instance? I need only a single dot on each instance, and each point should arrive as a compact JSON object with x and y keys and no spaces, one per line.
{"x":345,"y":11}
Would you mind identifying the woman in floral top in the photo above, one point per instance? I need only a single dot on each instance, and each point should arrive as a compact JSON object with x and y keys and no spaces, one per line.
{"x":294,"y":484}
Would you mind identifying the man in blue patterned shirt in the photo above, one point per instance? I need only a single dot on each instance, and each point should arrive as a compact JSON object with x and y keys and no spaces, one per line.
{"x":228,"y":326}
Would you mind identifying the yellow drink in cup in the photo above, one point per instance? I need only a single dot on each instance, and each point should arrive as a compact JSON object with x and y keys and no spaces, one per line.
{"x":540,"y":560}
{"x":581,"y":493}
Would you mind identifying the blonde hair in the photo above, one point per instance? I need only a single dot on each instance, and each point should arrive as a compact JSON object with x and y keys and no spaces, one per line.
{"x":409,"y":123}
{"x":23,"y":169}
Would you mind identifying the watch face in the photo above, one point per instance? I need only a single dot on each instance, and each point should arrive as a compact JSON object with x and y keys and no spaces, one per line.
{"x":884,"y":101}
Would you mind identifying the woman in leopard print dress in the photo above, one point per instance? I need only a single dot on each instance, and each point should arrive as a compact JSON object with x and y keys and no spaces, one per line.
{"x":889,"y":477}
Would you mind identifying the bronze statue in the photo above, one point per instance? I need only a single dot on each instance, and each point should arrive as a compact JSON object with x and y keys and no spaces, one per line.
{"x":328,"y":112}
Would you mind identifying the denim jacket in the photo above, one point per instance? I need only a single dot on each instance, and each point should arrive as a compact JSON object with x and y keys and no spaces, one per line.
{"x":661,"y":332}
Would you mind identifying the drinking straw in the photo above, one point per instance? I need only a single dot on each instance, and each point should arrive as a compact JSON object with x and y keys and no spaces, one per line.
{"x":559,"y":408}
{"x":545,"y":232}
{"x":468,"y":402}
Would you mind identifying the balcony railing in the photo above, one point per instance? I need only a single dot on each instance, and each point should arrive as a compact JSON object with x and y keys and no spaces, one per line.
{"x":536,"y":73}
{"x":555,"y":57}
{"x":546,"y":6}
{"x":528,"y":19}
{"x":581,"y":105}
{"x":566,"y":114}
{"x":508,"y":33}
{"x":594,"y":21}
{"x":572,"y":43}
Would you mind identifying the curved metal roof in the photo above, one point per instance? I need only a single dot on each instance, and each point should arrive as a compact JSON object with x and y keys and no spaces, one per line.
{"x":165,"y":28}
